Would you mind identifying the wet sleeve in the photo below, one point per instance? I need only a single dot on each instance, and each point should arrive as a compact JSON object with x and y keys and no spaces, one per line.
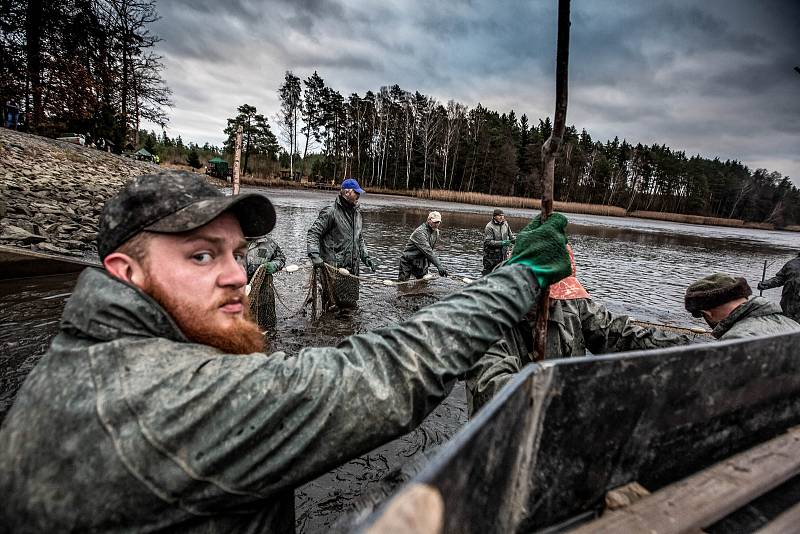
{"x":606,"y":332}
{"x":420,"y":240}
{"x":778,"y":280}
{"x":491,"y":373}
{"x":318,"y":229}
{"x":243,"y":428}
{"x":489,"y":240}
{"x":278,"y":258}
{"x":362,"y":248}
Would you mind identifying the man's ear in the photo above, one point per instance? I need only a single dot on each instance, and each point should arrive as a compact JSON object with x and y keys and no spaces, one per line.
{"x":125,"y":268}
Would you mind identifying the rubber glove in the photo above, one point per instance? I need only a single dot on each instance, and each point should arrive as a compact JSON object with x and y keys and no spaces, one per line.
{"x":513,"y":239}
{"x":316,"y":261}
{"x":760,"y":286}
{"x":270,"y":267}
{"x":443,"y":271}
{"x":543,"y":248}
{"x":371,"y":264}
{"x":505,"y":242}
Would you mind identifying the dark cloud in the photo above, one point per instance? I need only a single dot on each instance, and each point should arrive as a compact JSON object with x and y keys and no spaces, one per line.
{"x":712,"y":77}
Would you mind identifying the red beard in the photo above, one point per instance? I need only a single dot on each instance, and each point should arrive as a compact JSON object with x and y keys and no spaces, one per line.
{"x":241,"y":337}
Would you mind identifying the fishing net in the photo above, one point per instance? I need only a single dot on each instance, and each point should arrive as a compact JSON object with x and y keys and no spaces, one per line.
{"x":262,"y":299}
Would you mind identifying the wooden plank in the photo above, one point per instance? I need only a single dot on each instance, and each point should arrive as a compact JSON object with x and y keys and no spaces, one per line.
{"x":23,"y":263}
{"x":786,"y":523}
{"x":417,"y":508}
{"x":708,"y":496}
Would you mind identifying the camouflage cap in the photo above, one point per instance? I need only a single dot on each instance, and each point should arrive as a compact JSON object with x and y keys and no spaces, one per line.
{"x":172,"y":202}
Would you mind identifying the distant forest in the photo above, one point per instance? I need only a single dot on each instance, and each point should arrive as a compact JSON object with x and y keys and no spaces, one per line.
{"x":91,"y":66}
{"x":85,"y":66}
{"x":402,"y":140}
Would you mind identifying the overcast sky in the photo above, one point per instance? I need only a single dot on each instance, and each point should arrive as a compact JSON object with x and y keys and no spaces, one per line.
{"x":713,"y":77}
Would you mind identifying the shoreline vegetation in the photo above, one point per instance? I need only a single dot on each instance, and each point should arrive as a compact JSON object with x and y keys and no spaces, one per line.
{"x":484,"y":199}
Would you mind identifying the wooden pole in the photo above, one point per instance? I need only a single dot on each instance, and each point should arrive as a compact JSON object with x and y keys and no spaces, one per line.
{"x":237,"y":158}
{"x":763,"y":277}
{"x":549,"y":151}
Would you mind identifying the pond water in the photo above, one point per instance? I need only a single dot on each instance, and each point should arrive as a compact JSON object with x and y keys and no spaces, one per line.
{"x":634,"y":266}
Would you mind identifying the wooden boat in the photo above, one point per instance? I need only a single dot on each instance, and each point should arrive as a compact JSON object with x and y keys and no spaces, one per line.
{"x":545,"y":453}
{"x":21,"y":263}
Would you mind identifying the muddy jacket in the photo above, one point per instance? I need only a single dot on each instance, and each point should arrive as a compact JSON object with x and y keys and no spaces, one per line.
{"x":494,"y":234}
{"x":574,"y":327}
{"x":336,"y":236}
{"x":789,"y":278}
{"x":263,"y":250}
{"x":756,"y":317}
{"x":419,"y":249}
{"x":124,"y":425}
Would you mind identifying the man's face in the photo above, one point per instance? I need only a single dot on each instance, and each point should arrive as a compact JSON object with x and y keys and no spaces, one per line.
{"x":499,"y":218}
{"x":351,"y":196}
{"x":434,"y":224}
{"x":199,"y":279}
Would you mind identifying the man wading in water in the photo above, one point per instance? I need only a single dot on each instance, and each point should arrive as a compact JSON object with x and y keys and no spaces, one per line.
{"x":497,"y":241}
{"x":335,"y":238}
{"x":156,"y":409}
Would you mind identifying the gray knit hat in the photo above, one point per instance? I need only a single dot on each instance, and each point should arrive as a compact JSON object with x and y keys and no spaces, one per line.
{"x":497,"y":212}
{"x":713,"y":290}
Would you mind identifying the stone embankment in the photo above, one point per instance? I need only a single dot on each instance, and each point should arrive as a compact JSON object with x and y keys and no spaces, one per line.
{"x":52,"y":192}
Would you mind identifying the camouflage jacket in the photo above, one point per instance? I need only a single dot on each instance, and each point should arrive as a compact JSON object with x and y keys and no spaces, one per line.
{"x":574,"y":327}
{"x":336,"y":236}
{"x":125,"y":426}
{"x":789,"y":278}
{"x":756,"y":317}
{"x":419,"y":249}
{"x":263,"y":250}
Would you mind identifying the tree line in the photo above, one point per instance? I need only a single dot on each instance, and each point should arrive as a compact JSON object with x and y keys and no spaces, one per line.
{"x":398,"y":139}
{"x":87,"y":66}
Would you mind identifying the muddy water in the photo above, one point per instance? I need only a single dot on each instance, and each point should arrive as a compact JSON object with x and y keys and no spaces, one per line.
{"x":634,"y":266}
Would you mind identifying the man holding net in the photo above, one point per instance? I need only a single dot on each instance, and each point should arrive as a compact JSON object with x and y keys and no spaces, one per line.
{"x":335,"y":239}
{"x":156,"y":407}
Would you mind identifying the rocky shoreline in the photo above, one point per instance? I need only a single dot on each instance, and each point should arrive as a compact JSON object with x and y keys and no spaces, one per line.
{"x":52,"y":192}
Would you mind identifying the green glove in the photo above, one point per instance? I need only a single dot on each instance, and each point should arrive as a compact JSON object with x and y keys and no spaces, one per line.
{"x":270,"y":267}
{"x":369,"y":263}
{"x":505,"y":242}
{"x":316,"y":260}
{"x":543,"y":248}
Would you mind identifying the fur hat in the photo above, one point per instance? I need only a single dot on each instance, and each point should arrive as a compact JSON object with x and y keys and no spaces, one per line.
{"x":713,"y":290}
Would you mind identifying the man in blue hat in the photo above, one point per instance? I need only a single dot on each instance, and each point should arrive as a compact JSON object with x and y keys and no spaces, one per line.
{"x":335,"y":239}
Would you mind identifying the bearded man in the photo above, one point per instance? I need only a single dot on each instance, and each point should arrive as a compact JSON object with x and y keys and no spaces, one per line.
{"x":156,"y":409}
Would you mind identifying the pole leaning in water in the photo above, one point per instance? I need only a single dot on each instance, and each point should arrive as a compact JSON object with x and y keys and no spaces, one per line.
{"x":763,"y":277}
{"x":549,"y":151}
{"x":237,"y":158}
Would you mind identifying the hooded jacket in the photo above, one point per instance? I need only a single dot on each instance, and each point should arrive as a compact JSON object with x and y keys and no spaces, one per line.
{"x":126,"y":426}
{"x":336,"y":236}
{"x":756,"y":317}
{"x":419,"y":249}
{"x":789,"y":278}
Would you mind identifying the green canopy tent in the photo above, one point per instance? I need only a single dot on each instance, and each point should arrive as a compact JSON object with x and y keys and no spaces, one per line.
{"x":217,"y":167}
{"x":143,"y":154}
